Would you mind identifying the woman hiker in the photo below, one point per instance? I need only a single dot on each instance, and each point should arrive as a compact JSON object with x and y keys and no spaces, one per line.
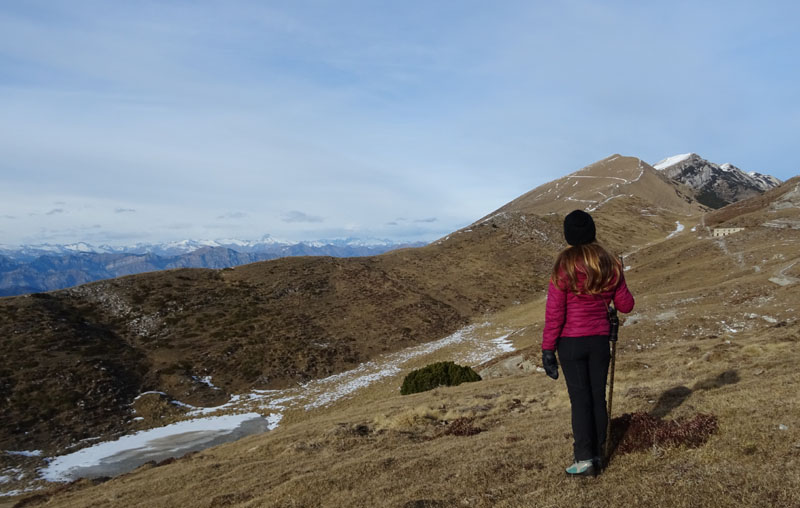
{"x":585,"y":280}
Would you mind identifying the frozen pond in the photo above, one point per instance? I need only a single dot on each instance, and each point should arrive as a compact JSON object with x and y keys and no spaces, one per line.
{"x":112,"y":458}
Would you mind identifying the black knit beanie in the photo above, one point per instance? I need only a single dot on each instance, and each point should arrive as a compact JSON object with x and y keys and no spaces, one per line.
{"x":579,"y":228}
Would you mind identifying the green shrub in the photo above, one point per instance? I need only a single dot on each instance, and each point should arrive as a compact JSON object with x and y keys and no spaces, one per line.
{"x":437,"y":374}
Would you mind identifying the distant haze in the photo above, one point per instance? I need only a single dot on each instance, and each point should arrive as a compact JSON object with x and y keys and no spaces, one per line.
{"x":157,"y":121}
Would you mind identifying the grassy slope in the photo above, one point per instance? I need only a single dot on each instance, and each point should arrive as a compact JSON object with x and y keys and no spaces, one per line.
{"x":709,"y":334}
{"x":601,"y":182}
{"x":757,"y":210}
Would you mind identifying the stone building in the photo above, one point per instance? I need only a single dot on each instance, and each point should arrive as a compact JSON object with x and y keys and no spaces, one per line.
{"x":725,"y":231}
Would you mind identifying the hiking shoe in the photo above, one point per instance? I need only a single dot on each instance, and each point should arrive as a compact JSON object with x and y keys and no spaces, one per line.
{"x":581,"y":468}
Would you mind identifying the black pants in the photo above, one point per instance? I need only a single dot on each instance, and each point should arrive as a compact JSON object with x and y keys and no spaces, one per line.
{"x":584,"y":361}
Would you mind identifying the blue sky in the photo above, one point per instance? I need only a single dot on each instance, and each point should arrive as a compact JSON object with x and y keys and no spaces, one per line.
{"x":123,"y":122}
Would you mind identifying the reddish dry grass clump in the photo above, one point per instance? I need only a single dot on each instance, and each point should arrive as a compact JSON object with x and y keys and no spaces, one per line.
{"x":639,"y":431}
{"x":462,"y":427}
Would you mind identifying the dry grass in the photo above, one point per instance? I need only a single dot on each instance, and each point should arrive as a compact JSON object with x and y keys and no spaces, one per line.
{"x":593,"y":184}
{"x":397,"y":451}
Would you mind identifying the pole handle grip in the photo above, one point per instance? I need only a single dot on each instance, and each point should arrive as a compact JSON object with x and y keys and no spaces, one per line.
{"x":613,"y":321}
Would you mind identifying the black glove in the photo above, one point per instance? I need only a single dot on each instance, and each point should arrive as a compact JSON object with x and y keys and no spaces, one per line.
{"x":550,"y":363}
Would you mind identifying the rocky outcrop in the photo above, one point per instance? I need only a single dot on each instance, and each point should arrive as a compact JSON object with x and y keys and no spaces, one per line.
{"x":715,"y":185}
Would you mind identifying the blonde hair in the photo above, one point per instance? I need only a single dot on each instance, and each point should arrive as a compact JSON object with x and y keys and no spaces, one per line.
{"x":601,"y":268}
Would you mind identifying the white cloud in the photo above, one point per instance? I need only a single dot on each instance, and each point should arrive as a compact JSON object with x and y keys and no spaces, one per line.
{"x":232,"y":215}
{"x":298,"y":216}
{"x":367,"y":114}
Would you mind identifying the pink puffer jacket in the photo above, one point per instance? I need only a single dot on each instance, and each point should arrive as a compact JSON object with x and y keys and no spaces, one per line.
{"x":572,"y":315}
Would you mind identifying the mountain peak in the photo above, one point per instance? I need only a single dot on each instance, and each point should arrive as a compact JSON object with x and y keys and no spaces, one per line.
{"x":715,"y":185}
{"x":610,"y":180}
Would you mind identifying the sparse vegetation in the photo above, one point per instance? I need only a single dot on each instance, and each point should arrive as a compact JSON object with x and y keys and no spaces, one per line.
{"x":642,"y":431}
{"x":437,"y":374}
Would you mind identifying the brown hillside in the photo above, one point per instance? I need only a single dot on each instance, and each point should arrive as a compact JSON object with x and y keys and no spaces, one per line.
{"x":73,"y":360}
{"x":615,"y":177}
{"x":778,"y":208}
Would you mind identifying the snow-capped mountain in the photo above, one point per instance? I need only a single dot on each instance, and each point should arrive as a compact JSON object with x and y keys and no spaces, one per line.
{"x":716,"y":185}
{"x":266,"y":244}
{"x":354,"y":242}
{"x":45,"y":267}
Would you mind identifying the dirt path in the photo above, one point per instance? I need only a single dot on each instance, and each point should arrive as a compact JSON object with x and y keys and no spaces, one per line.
{"x":782,"y":279}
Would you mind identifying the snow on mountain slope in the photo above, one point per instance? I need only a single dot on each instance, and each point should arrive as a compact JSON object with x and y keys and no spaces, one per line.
{"x":669,"y":161}
{"x":766,"y":182}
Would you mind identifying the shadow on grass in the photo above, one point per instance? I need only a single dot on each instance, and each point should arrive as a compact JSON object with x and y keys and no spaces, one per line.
{"x":638,"y":431}
{"x":674,"y":397}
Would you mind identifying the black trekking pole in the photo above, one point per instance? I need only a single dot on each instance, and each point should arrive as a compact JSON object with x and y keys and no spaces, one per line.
{"x":613,"y":333}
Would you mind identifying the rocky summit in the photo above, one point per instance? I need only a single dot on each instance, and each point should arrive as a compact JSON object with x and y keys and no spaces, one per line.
{"x":715,"y":185}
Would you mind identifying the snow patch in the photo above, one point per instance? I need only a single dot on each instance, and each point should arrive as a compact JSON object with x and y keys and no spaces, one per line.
{"x":729,"y":328}
{"x":678,"y":228}
{"x":208,"y":410}
{"x":206,"y":380}
{"x":598,"y":205}
{"x":25,"y":453}
{"x":146,"y":393}
{"x":599,"y":177}
{"x":181,"y":404}
{"x":18,"y":492}
{"x":666,"y":315}
{"x":768,"y":319}
{"x":671,"y":161}
{"x":333,"y":388}
{"x":503,"y":344}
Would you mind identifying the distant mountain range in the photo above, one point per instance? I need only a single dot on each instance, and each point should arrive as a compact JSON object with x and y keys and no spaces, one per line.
{"x":46,"y":267}
{"x":715,"y":185}
{"x":265,"y":244}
